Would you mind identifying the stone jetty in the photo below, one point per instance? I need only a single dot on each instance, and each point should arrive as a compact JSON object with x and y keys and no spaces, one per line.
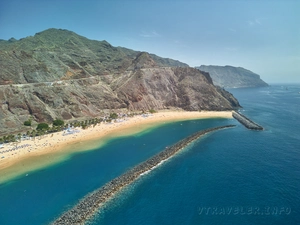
{"x":86,"y":208}
{"x":246,"y":121}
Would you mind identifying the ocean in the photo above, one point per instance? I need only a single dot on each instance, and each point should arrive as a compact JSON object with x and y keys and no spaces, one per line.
{"x":232,"y":176}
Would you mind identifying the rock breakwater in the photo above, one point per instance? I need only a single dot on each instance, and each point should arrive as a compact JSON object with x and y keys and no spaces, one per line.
{"x":246,"y":121}
{"x":90,"y":204}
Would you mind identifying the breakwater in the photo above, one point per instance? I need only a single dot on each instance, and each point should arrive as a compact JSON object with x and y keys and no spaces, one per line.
{"x":91,"y":203}
{"x":246,"y":121}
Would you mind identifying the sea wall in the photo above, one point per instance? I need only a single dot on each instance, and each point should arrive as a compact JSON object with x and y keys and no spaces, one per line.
{"x":246,"y":121}
{"x":90,"y":204}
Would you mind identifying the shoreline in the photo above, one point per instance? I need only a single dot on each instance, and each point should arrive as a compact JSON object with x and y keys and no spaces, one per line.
{"x":87,"y":207}
{"x":56,"y":147}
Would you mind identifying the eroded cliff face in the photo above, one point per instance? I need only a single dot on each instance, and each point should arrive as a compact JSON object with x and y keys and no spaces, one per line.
{"x":185,"y":88}
{"x":79,"y":87}
{"x":141,"y":89}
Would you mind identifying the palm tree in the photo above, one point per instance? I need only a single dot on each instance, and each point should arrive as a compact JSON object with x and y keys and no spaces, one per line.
{"x":41,"y":133}
{"x":11,"y":138}
{"x":33,"y":133}
{"x":19,"y":136}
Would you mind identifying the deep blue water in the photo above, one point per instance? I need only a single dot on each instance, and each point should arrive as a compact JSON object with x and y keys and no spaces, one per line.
{"x":232,"y":176}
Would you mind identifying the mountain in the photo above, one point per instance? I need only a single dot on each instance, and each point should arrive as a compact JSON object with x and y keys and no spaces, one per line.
{"x":233,"y":77}
{"x":59,"y":74}
{"x":57,"y":54}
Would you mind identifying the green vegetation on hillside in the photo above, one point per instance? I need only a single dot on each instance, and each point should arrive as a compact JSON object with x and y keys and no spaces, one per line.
{"x":27,"y":123}
{"x":42,"y":126}
{"x":113,"y":116}
{"x":152,"y":111}
{"x":58,"y":122}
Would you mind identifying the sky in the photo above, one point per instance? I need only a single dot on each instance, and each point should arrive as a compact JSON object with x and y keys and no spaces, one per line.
{"x":260,"y":35}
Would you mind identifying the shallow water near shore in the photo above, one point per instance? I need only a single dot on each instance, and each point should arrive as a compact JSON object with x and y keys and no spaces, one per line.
{"x":46,"y":193}
{"x":235,"y":168}
{"x":41,"y":161}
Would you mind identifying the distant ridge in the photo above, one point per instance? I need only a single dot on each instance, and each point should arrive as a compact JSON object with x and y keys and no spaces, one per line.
{"x":233,"y":77}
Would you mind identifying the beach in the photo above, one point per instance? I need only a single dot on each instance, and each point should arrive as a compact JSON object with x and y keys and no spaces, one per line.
{"x":223,"y":169}
{"x":27,"y":155}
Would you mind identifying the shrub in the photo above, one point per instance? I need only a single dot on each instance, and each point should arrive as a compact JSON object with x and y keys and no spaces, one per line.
{"x":152,"y":111}
{"x":42,"y":126}
{"x":27,"y":123}
{"x":58,"y":122}
{"x":113,"y":116}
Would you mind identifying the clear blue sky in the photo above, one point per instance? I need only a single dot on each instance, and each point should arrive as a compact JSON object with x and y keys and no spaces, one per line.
{"x":259,"y":35}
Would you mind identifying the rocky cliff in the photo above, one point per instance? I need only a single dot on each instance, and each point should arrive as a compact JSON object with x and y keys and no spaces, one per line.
{"x":59,"y":74}
{"x":233,"y":77}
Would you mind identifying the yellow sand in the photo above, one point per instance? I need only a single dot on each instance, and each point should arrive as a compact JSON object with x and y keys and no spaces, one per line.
{"x":56,"y":147}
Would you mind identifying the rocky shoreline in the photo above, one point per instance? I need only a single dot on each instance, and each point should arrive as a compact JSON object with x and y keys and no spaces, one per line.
{"x":246,"y":121}
{"x":90,"y":204}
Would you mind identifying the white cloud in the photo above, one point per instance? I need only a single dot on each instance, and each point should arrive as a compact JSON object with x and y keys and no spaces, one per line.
{"x":179,"y":43}
{"x":254,"y":22}
{"x":151,"y":34}
{"x":250,"y":23}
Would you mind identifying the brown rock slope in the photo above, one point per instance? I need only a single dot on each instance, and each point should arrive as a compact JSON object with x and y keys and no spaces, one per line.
{"x":44,"y":82}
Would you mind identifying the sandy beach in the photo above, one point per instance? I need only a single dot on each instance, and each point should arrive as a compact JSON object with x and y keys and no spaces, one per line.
{"x":35,"y":153}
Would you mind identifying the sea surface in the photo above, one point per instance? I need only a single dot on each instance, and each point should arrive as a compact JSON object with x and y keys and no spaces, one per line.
{"x":232,"y":176}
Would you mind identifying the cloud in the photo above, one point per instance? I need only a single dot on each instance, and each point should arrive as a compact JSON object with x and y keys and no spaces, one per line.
{"x":152,"y":34}
{"x":254,"y":22}
{"x":179,"y":43}
{"x":250,"y":23}
{"x":232,"y":30}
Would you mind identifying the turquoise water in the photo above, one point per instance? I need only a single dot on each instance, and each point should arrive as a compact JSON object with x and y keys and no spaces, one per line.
{"x":232,"y":176}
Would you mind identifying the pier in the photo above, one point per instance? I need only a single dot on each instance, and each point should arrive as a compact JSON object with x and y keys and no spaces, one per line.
{"x":89,"y":205}
{"x":246,"y":121}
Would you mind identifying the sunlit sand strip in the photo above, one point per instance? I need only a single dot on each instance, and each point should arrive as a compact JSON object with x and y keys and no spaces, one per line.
{"x":52,"y":148}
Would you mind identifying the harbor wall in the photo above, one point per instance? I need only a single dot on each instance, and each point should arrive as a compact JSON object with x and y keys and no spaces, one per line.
{"x":91,"y":203}
{"x":246,"y":121}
